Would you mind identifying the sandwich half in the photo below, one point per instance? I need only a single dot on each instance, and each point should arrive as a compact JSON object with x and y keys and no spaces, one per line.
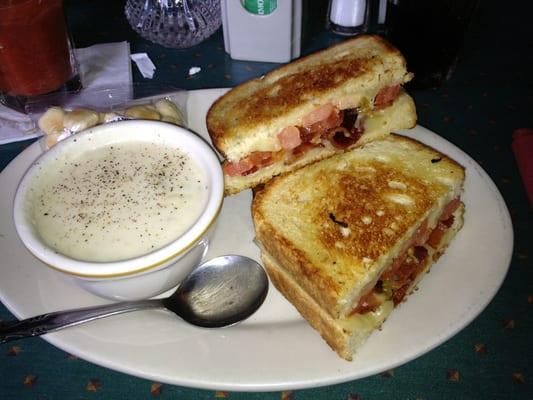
{"x":307,"y":110}
{"x":346,"y":239}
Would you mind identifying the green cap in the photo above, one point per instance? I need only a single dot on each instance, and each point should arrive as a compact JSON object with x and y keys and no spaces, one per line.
{"x":260,"y":7}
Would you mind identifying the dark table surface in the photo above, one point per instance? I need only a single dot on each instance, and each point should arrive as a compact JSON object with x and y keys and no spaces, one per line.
{"x":488,"y":97}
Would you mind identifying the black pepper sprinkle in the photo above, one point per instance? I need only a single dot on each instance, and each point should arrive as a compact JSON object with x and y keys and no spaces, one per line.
{"x":95,"y":191}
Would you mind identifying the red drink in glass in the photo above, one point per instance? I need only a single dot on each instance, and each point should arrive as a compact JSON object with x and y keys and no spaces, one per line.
{"x":35,"y":51}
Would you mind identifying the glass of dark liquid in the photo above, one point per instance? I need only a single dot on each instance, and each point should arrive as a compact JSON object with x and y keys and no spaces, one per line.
{"x":36,"y":55}
{"x":430,"y":34}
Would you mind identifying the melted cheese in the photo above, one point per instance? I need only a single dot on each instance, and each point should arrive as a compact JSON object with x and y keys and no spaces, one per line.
{"x":368,"y":321}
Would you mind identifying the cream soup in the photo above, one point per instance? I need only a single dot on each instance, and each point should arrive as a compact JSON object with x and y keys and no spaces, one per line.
{"x":117,"y":201}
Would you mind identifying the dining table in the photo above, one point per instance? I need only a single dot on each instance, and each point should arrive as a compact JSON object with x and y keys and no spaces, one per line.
{"x":480,"y":109}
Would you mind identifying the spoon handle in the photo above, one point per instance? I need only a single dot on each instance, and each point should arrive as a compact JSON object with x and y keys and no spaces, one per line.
{"x":54,"y":321}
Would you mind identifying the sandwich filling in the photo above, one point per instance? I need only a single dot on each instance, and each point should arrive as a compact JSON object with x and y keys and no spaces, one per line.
{"x":327,"y":125}
{"x":395,"y":282}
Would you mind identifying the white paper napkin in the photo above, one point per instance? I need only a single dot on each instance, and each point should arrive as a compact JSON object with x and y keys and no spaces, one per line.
{"x":145,"y":64}
{"x":101,"y":65}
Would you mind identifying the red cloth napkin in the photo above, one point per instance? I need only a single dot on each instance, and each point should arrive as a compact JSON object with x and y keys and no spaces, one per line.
{"x":523,"y":151}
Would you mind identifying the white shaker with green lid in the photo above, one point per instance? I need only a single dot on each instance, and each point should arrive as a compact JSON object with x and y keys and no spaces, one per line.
{"x":262,"y":30}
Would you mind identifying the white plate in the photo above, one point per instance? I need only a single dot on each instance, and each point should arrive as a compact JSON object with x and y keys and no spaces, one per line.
{"x":275,"y":349}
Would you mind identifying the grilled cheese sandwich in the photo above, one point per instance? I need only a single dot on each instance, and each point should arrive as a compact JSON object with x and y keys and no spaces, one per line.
{"x":348,"y":238}
{"x":333,"y":100}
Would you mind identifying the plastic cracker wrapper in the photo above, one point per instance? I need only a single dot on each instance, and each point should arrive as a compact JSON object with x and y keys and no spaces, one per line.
{"x":76,"y":114}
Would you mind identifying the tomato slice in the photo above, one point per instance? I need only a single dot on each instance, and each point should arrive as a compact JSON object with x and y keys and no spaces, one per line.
{"x":386,"y":96}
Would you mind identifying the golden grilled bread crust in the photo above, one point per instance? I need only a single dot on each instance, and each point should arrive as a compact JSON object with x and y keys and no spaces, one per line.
{"x":337,"y":224}
{"x":349,"y":74}
{"x":317,"y":317}
{"x":400,"y":115}
{"x":345,"y":335}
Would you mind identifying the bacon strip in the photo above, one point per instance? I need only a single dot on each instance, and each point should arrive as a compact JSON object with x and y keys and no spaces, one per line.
{"x":342,"y":138}
{"x":407,"y":273}
{"x":369,"y":302}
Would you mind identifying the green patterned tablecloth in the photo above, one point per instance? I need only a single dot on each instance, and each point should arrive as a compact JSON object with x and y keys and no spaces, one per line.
{"x":488,"y":97}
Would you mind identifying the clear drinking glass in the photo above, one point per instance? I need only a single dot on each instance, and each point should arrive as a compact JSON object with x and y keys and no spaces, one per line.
{"x":174,"y":23}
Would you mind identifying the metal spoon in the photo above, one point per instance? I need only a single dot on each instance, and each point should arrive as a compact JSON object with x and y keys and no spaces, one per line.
{"x":220,"y":292}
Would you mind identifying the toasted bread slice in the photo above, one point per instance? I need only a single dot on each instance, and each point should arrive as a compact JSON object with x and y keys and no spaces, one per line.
{"x":345,"y":335}
{"x":338,"y":224}
{"x":349,"y":75}
{"x":347,"y":238}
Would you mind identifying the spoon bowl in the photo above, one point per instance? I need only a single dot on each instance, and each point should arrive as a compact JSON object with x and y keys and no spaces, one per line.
{"x":220,"y":292}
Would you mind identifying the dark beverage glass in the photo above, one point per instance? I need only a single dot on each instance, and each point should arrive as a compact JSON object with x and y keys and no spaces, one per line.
{"x":430,"y":34}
